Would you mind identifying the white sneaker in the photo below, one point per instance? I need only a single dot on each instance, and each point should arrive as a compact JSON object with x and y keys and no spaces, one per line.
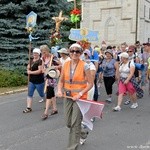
{"x":93,"y":119}
{"x":134,"y":105}
{"x":82,"y":141}
{"x":117,"y":108}
{"x":42,"y":100}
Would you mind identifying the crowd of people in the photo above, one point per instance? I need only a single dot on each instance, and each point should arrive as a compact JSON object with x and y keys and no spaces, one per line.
{"x":77,"y":73}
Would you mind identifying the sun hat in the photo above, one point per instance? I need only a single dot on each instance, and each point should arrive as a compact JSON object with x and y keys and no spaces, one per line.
{"x":52,"y":72}
{"x":124,"y":55}
{"x":109,"y":51}
{"x":75,"y":45}
{"x":63,"y":51}
{"x":86,"y":51}
{"x":37,"y":50}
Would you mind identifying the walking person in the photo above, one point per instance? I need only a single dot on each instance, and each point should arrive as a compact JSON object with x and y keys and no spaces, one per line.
{"x":145,"y":56}
{"x":36,"y":79}
{"x":51,"y":82}
{"x":110,"y":73}
{"x":75,"y":81}
{"x":95,"y":59}
{"x":126,"y":81}
{"x":87,"y":55}
{"x":134,"y":58}
{"x":63,"y":55}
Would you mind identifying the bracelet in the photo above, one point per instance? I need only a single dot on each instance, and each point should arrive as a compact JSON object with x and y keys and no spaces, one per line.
{"x":80,"y":93}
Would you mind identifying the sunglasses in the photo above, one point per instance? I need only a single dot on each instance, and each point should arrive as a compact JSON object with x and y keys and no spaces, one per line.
{"x":129,"y":51}
{"x":75,"y":51}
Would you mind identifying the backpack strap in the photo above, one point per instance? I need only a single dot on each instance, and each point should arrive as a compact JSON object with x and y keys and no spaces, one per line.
{"x":129,"y":64}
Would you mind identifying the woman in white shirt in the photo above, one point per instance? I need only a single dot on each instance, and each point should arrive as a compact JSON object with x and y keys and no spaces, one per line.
{"x":126,"y":71}
{"x":86,"y":58}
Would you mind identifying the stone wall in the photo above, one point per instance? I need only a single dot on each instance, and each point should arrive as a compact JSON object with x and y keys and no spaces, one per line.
{"x":115,"y":20}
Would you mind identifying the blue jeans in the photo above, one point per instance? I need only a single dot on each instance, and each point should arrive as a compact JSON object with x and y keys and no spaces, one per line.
{"x":38,"y":87}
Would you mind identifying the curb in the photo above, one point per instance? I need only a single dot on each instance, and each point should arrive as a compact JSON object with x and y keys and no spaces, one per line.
{"x":14,"y":91}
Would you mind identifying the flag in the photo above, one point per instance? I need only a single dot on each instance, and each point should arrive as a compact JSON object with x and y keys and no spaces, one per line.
{"x":70,"y":0}
{"x":90,"y":109}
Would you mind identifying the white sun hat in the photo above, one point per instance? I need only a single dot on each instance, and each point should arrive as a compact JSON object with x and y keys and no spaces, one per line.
{"x":76,"y":45}
{"x":124,"y":55}
{"x":52,"y":72}
{"x":37,"y":50}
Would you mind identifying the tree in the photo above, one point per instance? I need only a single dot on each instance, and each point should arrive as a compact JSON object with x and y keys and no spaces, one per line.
{"x":14,"y":39}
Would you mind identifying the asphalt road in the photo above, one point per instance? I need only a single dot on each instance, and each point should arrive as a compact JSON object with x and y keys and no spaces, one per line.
{"x":125,"y":130}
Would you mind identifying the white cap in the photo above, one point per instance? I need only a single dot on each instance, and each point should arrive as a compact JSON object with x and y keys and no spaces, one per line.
{"x":76,"y":45}
{"x":37,"y":50}
{"x":124,"y":55}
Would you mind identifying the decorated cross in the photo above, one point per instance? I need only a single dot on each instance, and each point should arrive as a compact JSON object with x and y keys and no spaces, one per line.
{"x":58,"y":21}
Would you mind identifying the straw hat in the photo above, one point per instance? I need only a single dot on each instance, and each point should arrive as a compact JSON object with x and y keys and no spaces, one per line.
{"x":52,"y":72}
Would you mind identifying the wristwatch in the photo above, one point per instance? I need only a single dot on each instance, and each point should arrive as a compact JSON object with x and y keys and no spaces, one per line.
{"x":80,"y":93}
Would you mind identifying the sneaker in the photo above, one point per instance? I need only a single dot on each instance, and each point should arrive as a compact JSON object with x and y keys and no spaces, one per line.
{"x":109,"y":100}
{"x":117,"y":108}
{"x":93,"y":119}
{"x":134,"y":105}
{"x":83,"y":125}
{"x":127,"y":102}
{"x":82,"y":141}
{"x":42,"y":100}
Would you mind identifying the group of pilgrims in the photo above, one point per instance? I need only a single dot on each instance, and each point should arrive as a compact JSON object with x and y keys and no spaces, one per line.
{"x":73,"y":73}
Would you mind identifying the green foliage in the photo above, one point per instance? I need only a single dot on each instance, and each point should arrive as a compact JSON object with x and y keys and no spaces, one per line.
{"x":12,"y":78}
{"x":14,"y":41}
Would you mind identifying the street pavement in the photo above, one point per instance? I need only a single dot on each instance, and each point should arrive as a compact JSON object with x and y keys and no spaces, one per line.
{"x":125,"y":130}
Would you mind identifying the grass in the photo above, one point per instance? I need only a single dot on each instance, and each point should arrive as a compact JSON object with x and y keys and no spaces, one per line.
{"x":7,"y":89}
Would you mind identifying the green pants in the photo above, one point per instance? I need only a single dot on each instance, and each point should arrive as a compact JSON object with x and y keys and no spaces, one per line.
{"x":73,"y":118}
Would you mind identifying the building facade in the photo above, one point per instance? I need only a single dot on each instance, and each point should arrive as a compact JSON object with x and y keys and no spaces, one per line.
{"x":118,"y":21}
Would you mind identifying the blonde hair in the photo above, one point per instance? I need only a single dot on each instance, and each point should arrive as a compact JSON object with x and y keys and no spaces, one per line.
{"x":44,"y":48}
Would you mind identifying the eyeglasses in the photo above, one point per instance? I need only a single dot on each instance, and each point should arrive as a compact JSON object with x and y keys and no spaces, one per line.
{"x":129,"y":51}
{"x":85,"y":53}
{"x":75,"y":51}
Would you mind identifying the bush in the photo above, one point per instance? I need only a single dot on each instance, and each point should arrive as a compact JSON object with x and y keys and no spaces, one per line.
{"x":10,"y":78}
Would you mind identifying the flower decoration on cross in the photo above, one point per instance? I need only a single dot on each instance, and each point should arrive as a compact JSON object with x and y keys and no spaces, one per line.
{"x":75,"y":15}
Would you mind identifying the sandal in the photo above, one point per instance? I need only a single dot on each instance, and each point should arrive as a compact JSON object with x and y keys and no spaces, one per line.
{"x":44,"y":116}
{"x":27,"y":110}
{"x":54,"y":112}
